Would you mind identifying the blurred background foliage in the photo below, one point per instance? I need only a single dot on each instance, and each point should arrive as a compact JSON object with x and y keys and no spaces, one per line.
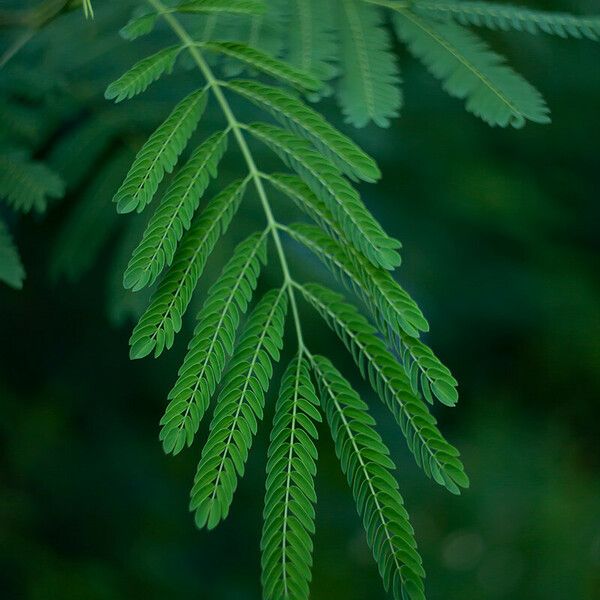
{"x":500,"y":250}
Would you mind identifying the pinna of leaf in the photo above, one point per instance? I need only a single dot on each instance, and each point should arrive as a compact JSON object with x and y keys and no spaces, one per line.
{"x":231,"y":355}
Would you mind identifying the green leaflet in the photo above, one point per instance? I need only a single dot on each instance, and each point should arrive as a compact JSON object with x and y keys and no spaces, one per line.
{"x":375,"y":287}
{"x":142,"y":74}
{"x":212,"y":343}
{"x":138,"y":26}
{"x":303,"y":197}
{"x":395,"y":313}
{"x":265,"y":63}
{"x":369,"y":88}
{"x":506,"y":17}
{"x":312,"y":43}
{"x":26,"y":184}
{"x":174,"y":215}
{"x":289,"y":513}
{"x":469,"y":69}
{"x":365,"y":461}
{"x":238,"y":410}
{"x":243,"y":7}
{"x":432,"y":452}
{"x":306,"y":122}
{"x":341,"y":198}
{"x":11,"y":267}
{"x":159,"y":154}
{"x":425,"y":371}
{"x":162,"y":320}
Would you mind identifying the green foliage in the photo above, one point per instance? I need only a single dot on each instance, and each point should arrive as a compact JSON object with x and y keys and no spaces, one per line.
{"x":159,"y":154}
{"x":506,"y":17}
{"x":244,"y":7}
{"x":265,"y":63}
{"x":212,"y":343}
{"x":174,"y":215}
{"x":27,"y":185}
{"x":239,"y":408}
{"x":432,"y":452}
{"x":341,"y":198}
{"x":142,"y":74}
{"x":289,"y":512}
{"x":369,"y":89}
{"x":309,"y":124}
{"x":312,"y":45}
{"x":162,"y":320}
{"x":469,"y":69}
{"x":366,"y":462}
{"x":316,"y":49}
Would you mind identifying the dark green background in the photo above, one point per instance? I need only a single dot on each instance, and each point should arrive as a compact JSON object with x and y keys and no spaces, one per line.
{"x":501,"y":251}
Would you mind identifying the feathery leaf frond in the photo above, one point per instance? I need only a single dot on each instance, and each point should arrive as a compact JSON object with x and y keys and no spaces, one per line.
{"x":162,"y":320}
{"x":25,"y":184}
{"x":432,"y":452}
{"x":306,"y":122}
{"x":369,"y":89}
{"x":138,"y":26}
{"x":212,"y":343}
{"x":394,"y":311}
{"x":159,"y":154}
{"x":426,"y":372}
{"x":469,"y":69}
{"x":312,"y":42}
{"x":305,"y":199}
{"x":265,"y":63}
{"x":174,"y":215}
{"x":242,"y":7}
{"x":376,"y":287}
{"x":238,"y":410}
{"x":365,"y":461}
{"x":142,"y":74}
{"x":289,"y":513}
{"x":506,"y":17}
{"x":11,"y":268}
{"x":341,"y":198}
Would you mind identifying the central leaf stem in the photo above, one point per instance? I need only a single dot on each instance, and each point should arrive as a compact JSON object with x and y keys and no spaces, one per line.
{"x":254,"y":173}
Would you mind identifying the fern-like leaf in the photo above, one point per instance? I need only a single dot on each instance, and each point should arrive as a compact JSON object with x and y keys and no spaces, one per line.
{"x":394,"y":311}
{"x":159,"y":154}
{"x":306,"y":122}
{"x":212,"y":343}
{"x":432,"y":452}
{"x":312,"y":42}
{"x":506,"y":17}
{"x":469,"y":69}
{"x":340,"y":197}
{"x":376,"y":287}
{"x":241,"y":7}
{"x":174,"y":215}
{"x":142,"y":74}
{"x":426,"y":372}
{"x":303,"y":197}
{"x":138,"y":26}
{"x":289,"y":513}
{"x":11,"y":267}
{"x":369,"y":89}
{"x":162,"y":320}
{"x":25,"y":184}
{"x":265,"y":63}
{"x":365,"y":461}
{"x":238,"y":410}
